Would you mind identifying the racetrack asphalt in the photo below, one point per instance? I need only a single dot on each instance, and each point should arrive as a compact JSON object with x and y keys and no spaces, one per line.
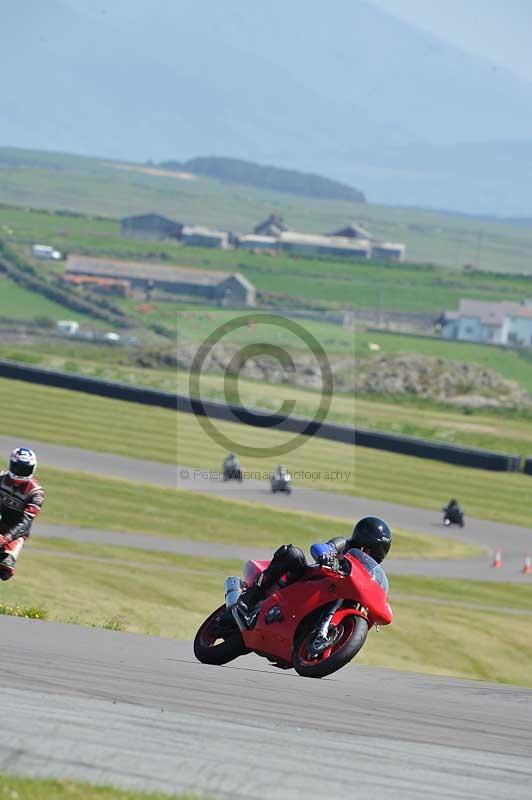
{"x":140,"y":712}
{"x":515,"y":542}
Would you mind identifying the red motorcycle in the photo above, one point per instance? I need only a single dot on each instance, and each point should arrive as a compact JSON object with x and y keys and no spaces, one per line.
{"x":316,"y":624}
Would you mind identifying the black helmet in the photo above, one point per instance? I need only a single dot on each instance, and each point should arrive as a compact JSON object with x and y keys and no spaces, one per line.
{"x":373,"y":536}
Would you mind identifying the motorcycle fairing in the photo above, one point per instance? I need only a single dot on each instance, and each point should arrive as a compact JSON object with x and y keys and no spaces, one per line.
{"x":318,"y":588}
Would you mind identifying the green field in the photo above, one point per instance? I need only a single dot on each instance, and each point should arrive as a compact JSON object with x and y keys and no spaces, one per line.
{"x":398,"y":287}
{"x":18,"y":303}
{"x":95,"y":186}
{"x":75,"y":419}
{"x":13,"y":788}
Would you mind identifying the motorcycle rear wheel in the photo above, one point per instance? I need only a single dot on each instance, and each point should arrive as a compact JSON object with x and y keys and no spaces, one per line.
{"x":352,"y":631}
{"x":218,"y":642}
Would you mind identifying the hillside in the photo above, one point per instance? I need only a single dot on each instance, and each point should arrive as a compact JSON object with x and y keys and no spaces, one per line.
{"x":95,"y":186}
{"x":263,"y":83}
{"x":247,"y":173}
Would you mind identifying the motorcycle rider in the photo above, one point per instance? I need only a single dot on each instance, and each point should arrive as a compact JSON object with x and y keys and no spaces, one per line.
{"x":370,"y":534}
{"x":453,"y":510}
{"x":21,"y":499}
{"x":232,"y":465}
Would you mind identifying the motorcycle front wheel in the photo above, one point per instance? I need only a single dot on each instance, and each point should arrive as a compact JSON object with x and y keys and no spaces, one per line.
{"x":218,"y":640}
{"x":349,"y":637}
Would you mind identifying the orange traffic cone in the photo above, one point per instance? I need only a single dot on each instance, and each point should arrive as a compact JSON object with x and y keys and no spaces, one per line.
{"x":527,"y":566}
{"x":497,"y":560}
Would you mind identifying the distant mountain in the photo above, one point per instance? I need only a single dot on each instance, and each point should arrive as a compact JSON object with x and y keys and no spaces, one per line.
{"x":247,"y":173}
{"x":345,"y":90}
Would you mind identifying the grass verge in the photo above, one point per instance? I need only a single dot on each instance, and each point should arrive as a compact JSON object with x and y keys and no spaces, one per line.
{"x":28,"y":612}
{"x":481,"y":593}
{"x":75,"y":498}
{"x":454,"y":640}
{"x":12,"y":788}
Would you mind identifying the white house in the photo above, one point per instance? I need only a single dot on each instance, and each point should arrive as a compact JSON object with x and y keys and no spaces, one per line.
{"x":504,"y":323}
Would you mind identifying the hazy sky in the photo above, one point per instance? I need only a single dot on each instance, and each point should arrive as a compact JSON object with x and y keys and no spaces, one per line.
{"x":499,"y":30}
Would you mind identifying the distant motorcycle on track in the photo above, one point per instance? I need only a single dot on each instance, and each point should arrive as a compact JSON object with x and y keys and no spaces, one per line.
{"x":232,"y":469}
{"x":453,"y":516}
{"x":315,"y":625}
{"x":281,"y":482}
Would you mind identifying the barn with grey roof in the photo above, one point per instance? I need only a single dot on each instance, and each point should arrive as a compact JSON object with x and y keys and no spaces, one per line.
{"x":223,"y":287}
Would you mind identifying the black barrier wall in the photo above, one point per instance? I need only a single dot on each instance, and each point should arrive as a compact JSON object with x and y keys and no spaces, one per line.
{"x":393,"y":443}
{"x":528,"y":466}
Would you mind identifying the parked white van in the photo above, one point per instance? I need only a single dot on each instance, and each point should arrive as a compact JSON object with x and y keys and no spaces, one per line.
{"x":45,"y":252}
{"x":68,"y":327}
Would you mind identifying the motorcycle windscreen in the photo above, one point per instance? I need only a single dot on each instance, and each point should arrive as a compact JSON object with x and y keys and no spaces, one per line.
{"x":375,"y":570}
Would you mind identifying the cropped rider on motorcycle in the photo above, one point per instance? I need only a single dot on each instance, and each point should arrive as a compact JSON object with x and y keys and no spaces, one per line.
{"x":21,"y":499}
{"x":371,"y":535}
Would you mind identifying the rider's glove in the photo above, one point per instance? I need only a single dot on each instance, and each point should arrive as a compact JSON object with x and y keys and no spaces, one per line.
{"x":330,"y":560}
{"x":326,"y":555}
{"x":4,"y":540}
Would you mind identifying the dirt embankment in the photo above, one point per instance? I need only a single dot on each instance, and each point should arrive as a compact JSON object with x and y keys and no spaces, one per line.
{"x":454,"y":382}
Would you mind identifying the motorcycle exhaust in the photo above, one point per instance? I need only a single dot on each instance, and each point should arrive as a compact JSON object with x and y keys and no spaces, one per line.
{"x":233,"y":590}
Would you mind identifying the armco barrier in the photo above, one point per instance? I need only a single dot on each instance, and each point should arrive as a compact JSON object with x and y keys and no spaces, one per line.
{"x":439,"y":451}
{"x":394,"y":443}
{"x":81,"y":383}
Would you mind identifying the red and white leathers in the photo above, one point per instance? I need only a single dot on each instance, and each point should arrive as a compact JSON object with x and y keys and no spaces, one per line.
{"x":20,"y":502}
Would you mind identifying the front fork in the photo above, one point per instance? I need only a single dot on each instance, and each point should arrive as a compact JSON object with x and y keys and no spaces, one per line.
{"x":321,"y":642}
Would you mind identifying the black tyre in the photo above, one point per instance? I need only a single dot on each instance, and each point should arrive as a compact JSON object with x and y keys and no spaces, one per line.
{"x":218,"y":640}
{"x":350,"y":636}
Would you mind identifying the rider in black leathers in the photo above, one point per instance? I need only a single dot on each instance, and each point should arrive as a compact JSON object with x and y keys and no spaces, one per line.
{"x":370,"y":534}
{"x":453,"y":510}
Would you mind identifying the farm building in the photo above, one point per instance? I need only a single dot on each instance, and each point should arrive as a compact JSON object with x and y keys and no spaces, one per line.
{"x":253,"y":241}
{"x":273,"y":226}
{"x":353,"y":231}
{"x":506,"y":323}
{"x":388,"y":251}
{"x":151,"y":226}
{"x":380,"y":251}
{"x":116,"y":286}
{"x":221,"y":287}
{"x":308,"y":244}
{"x":204,"y":237}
